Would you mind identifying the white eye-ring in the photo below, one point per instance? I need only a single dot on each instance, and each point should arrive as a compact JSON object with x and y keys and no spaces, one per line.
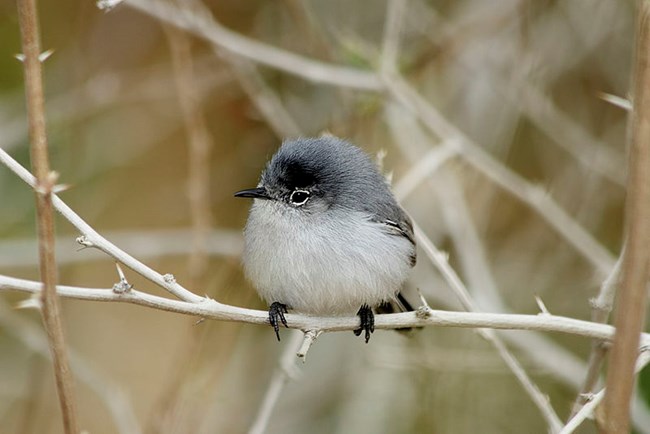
{"x":299,"y":197}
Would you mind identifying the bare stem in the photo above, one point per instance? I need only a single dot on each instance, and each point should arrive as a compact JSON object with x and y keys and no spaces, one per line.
{"x":211,"y":309}
{"x":200,"y":144}
{"x":165,"y":411}
{"x":630,"y":311}
{"x":197,"y":20}
{"x":285,"y":371}
{"x":45,"y":180}
{"x":601,"y":307}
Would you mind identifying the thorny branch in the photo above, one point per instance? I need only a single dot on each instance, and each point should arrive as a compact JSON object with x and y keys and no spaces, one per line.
{"x":635,"y":268}
{"x":43,"y":187}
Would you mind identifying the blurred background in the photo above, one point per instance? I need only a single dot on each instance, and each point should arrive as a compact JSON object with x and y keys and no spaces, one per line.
{"x":489,"y":117}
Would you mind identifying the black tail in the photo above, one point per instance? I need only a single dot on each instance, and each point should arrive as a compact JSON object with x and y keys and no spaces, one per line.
{"x":399,"y":304}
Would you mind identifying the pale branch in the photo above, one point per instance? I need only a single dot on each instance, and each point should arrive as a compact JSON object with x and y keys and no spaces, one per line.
{"x":390,"y":50}
{"x":519,"y":187}
{"x":285,"y":371}
{"x":601,"y":306}
{"x":144,"y":244}
{"x":197,"y":20}
{"x":422,"y":170}
{"x":211,"y":309}
{"x":541,"y":350}
{"x":392,"y":29}
{"x":439,"y":259}
{"x":91,"y":238}
{"x":199,"y":149}
{"x":531,"y":100}
{"x":594,"y":399}
{"x":32,"y":337}
{"x":309,"y":338}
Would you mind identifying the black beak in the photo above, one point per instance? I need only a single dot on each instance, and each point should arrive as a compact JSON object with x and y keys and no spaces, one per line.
{"x":255,"y":193}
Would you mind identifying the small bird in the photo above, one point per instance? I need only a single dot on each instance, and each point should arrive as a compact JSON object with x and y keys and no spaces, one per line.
{"x":325,"y":235}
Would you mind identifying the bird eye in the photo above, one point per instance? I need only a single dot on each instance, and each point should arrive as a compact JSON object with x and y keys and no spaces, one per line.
{"x":299,"y":197}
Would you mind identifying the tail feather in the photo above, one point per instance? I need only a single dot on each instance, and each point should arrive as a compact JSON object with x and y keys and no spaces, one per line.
{"x":399,"y":304}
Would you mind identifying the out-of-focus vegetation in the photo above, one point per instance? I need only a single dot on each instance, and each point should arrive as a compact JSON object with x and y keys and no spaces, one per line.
{"x":522,"y":80}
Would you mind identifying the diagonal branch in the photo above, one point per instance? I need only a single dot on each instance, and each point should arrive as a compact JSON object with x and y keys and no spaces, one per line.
{"x":198,"y":21}
{"x":516,"y":185}
{"x":91,"y":238}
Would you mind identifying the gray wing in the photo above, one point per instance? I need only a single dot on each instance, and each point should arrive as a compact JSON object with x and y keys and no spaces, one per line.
{"x":402,"y":226}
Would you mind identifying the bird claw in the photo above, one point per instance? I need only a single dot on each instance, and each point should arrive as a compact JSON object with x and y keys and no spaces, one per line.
{"x":276,"y":312}
{"x":367,"y":319}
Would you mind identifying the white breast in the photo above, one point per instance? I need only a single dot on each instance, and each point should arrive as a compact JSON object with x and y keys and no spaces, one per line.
{"x":322,"y":264}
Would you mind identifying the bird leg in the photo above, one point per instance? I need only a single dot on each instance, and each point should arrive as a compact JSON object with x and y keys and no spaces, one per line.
{"x":367,"y":321}
{"x":276,"y":312}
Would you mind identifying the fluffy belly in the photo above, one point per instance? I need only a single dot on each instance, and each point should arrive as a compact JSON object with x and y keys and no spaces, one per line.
{"x":329,"y":271}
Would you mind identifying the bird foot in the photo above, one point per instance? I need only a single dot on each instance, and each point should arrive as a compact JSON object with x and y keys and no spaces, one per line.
{"x":276,"y":316}
{"x":367,"y":322}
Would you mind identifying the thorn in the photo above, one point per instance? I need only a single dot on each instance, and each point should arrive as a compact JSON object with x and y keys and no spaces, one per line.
{"x":45,"y":55}
{"x":84,"y":241}
{"x":541,"y":305}
{"x":422,"y":299}
{"x":107,"y":5}
{"x":423,"y":311}
{"x":199,"y":321}
{"x":123,"y":285}
{"x":586,"y":397}
{"x":615,"y":100}
{"x":120,"y":272}
{"x":33,"y":302}
{"x":443,"y":256}
{"x":60,"y":188}
{"x":169,"y":278}
{"x":48,"y":185}
{"x":41,"y":57}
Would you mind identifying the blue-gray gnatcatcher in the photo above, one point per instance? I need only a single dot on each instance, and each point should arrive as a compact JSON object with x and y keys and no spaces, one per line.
{"x":325,"y":236}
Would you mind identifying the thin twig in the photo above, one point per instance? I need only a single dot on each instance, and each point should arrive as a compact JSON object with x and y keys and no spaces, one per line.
{"x":265,"y":100}
{"x":516,"y":185}
{"x":199,"y":144}
{"x":632,"y":303}
{"x":529,"y":98}
{"x":115,"y":399}
{"x":91,"y":238}
{"x":50,"y":310}
{"x":440,"y":261}
{"x":408,"y":135}
{"x":165,"y":411}
{"x":308,"y":340}
{"x":423,"y":169}
{"x":198,"y":21}
{"x":285,"y":371}
{"x":143,"y":244}
{"x":601,"y":306}
{"x":392,"y":29}
{"x":593,"y":400}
